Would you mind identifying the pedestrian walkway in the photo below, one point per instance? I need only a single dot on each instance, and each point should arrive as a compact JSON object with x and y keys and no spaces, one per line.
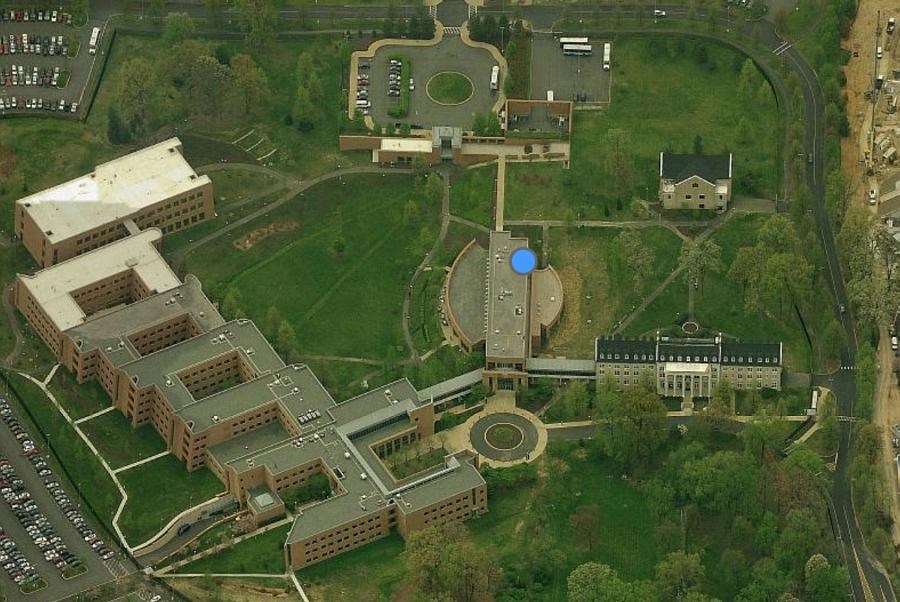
{"x":501,"y":192}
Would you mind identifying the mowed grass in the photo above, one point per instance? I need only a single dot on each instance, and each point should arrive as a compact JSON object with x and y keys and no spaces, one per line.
{"x":600,"y":287}
{"x":719,"y":305}
{"x":78,"y":400}
{"x":339,"y":303}
{"x":472,"y":194}
{"x":371,"y":573}
{"x":158,"y":491}
{"x":656,"y":101}
{"x":259,"y":554}
{"x":237,"y":185}
{"x":450,"y":88}
{"x":118,"y":443}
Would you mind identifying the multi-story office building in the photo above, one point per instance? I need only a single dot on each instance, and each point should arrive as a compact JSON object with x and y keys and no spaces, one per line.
{"x":220,"y":396}
{"x":689,"y":367}
{"x":153,"y":187}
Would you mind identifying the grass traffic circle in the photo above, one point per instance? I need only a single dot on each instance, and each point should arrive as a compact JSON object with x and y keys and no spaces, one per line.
{"x":504,"y":436}
{"x":450,"y":88}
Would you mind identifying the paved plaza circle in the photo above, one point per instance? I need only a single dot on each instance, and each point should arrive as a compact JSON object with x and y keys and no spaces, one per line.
{"x":449,"y":88}
{"x":504,"y":436}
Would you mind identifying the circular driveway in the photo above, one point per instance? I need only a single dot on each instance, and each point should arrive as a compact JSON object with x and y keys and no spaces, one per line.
{"x":450,"y":54}
{"x":485,"y":440}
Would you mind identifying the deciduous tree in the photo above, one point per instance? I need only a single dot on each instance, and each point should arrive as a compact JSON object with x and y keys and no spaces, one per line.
{"x":178,"y":28}
{"x":584,"y":522}
{"x":678,"y":574}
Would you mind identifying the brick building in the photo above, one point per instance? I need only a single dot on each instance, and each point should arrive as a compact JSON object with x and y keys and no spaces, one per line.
{"x":152,"y":187}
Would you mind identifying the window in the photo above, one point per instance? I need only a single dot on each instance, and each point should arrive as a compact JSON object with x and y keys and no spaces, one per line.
{"x":701,"y":196}
{"x":687,"y":196}
{"x":695,"y":185}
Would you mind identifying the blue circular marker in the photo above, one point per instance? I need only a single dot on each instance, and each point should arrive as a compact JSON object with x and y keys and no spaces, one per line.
{"x":523,"y":261}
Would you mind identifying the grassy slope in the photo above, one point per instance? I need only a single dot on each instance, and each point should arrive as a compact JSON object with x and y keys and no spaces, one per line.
{"x":120,"y":444}
{"x":259,"y":554}
{"x":472,"y":194}
{"x":159,"y":490}
{"x":343,"y":304}
{"x":647,"y":89}
{"x":599,"y":286}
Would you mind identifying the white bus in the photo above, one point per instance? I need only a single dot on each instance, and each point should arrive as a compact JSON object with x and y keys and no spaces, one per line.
{"x":564,"y":41}
{"x":495,"y":78}
{"x":578,"y":50}
{"x":607,"y":51}
{"x":95,"y":37}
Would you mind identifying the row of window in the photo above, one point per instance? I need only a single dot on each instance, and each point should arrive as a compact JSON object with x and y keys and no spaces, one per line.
{"x":671,"y":357}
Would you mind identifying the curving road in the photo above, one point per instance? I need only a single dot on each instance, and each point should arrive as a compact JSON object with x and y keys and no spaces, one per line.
{"x":868,"y":582}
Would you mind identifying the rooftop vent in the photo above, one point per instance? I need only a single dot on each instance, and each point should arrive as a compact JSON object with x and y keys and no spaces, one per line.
{"x":295,"y":390}
{"x":169,"y":382}
{"x":347,"y":455}
{"x":202,"y":314}
{"x":250,"y":462}
{"x":363,"y":476}
{"x":109,"y":348}
{"x":215,"y":418}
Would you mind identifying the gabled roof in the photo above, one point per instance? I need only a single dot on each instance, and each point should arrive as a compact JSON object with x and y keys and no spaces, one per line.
{"x":681,"y":167}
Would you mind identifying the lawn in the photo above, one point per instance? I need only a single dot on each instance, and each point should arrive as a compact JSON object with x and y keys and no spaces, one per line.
{"x":472,"y":194}
{"x":259,"y":554}
{"x":343,"y":301}
{"x":78,"y":400}
{"x":371,"y":573}
{"x":665,"y":311}
{"x":600,"y":288}
{"x":159,"y":490}
{"x":81,"y":467}
{"x":716,"y":305}
{"x":449,"y":88}
{"x":650,"y":79}
{"x":236,"y":186}
{"x":407,"y":462}
{"x":118,"y":443}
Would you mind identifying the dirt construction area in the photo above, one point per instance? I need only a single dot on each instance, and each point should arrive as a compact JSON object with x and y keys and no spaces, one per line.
{"x":246,"y":242}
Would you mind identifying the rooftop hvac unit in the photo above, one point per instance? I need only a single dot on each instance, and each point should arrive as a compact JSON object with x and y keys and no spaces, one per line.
{"x":215,"y":418}
{"x":363,"y":476}
{"x":347,"y":455}
{"x":296,"y":389}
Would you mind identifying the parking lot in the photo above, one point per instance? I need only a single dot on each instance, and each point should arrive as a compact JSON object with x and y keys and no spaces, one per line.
{"x":449,"y":55}
{"x":29,"y":48}
{"x":43,"y":523}
{"x":579,"y":78}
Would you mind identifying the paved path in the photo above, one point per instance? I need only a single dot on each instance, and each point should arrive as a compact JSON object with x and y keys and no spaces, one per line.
{"x":341,"y":358}
{"x":13,"y":325}
{"x":139,"y":462}
{"x":501,"y":192}
{"x":470,"y":223}
{"x":596,"y":223}
{"x":407,"y":295}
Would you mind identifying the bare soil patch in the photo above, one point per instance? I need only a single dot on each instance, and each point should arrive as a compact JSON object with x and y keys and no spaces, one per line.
{"x":246,"y":242}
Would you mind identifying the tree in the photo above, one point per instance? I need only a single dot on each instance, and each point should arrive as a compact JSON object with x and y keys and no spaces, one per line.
{"x":748,"y":82}
{"x":286,"y":341}
{"x":214,"y":8}
{"x":595,"y":582}
{"x":799,"y":536}
{"x":232,"y":304}
{"x":826,"y":416}
{"x":678,"y":574}
{"x":424,"y":552}
{"x":699,"y":257}
{"x":136,"y":93}
{"x":156,"y":9}
{"x":584,"y":522}
{"x":635,"y":424}
{"x":116,"y":130}
{"x":209,"y":84}
{"x":467,"y":572}
{"x":259,"y":19}
{"x":639,"y":256}
{"x":447,"y":566}
{"x":660,"y":497}
{"x":698,"y":144}
{"x":574,"y":400}
{"x":721,"y":403}
{"x":273,"y":321}
{"x":178,"y":28}
{"x":824,"y":583}
{"x":250,"y":82}
{"x":745,"y":272}
{"x":724,"y":481}
{"x":339,"y":245}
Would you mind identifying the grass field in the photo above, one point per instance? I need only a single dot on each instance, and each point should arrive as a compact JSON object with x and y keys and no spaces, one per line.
{"x":648,"y":84}
{"x":236,"y":186}
{"x":81,"y":466}
{"x":159,"y":490}
{"x":472,"y":194}
{"x":118,"y":443}
{"x":78,"y":400}
{"x":372,"y":572}
{"x":259,"y":554}
{"x":449,"y":88}
{"x":339,"y":303}
{"x":599,"y":286}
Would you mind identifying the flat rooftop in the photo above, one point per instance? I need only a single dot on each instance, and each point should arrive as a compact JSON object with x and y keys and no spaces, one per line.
{"x":110,"y":331}
{"x":408,"y":145}
{"x":467,"y":292}
{"x":114,"y":190}
{"x":52,"y":287}
{"x":508,"y":300}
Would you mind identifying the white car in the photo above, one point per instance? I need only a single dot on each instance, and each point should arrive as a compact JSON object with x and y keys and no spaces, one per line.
{"x":872,"y":196}
{"x":412,"y":84}
{"x":659,"y":13}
